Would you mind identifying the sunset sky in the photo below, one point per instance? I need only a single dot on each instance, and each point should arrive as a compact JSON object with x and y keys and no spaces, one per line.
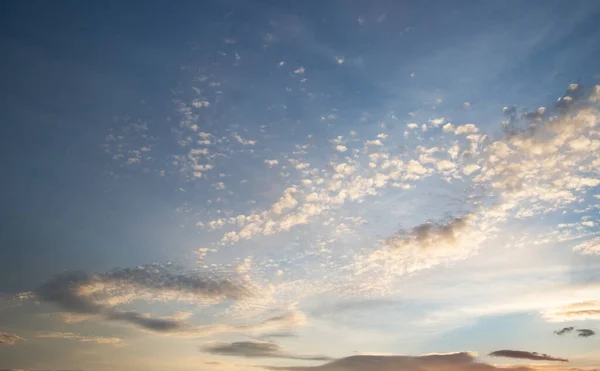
{"x":300,"y":185}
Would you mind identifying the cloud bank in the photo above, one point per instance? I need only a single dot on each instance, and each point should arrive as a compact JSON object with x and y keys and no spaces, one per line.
{"x":463,"y":361}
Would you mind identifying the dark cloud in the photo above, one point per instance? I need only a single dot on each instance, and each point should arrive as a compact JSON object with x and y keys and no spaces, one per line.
{"x":463,"y":361}
{"x":153,"y":324}
{"x":564,"y":330}
{"x":64,"y":291}
{"x":251,"y":349}
{"x":8,"y":339}
{"x":520,"y":354}
{"x":161,"y":278}
{"x":74,"y":292}
{"x":584,"y":332}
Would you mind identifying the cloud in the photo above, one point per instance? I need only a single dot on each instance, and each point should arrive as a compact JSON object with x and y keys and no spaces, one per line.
{"x":564,"y":330}
{"x":251,"y":349}
{"x":271,"y":335}
{"x":437,"y":121}
{"x":520,"y":354}
{"x":80,"y":338}
{"x":242,"y":141}
{"x":466,"y":129}
{"x":430,"y":234}
{"x":277,"y":323}
{"x":8,"y":338}
{"x":585,"y":310}
{"x":584,"y":332}
{"x":87,"y":294}
{"x":463,"y":361}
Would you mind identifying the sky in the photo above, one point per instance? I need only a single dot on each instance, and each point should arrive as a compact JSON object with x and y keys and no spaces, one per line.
{"x":300,"y":185}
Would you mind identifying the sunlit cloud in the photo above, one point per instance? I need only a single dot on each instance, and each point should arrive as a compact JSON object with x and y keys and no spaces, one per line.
{"x":7,"y":338}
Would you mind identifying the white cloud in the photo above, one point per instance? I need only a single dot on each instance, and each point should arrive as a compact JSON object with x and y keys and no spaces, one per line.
{"x":470,"y":169}
{"x":375,"y":142}
{"x":466,"y":129}
{"x":437,"y":121}
{"x":246,"y":142}
{"x":595,"y":94}
{"x":200,"y":103}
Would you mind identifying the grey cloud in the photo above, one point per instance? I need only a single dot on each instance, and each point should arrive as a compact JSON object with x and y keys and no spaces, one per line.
{"x":72,"y":292}
{"x":63,"y":290}
{"x":520,"y":354}
{"x":581,"y":332}
{"x":430,"y":234}
{"x":8,"y":338}
{"x":463,"y":361}
{"x":251,"y":349}
{"x":584,"y":332}
{"x":160,"y":278}
{"x":564,"y":330}
{"x":150,"y":323}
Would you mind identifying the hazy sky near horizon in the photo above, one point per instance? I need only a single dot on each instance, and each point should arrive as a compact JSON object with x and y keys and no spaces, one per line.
{"x":300,"y":185}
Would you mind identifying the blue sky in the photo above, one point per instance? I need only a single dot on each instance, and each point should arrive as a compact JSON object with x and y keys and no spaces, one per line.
{"x":299,"y":185}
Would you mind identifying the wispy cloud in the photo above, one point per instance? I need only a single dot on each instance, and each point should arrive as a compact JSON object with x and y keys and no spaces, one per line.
{"x":251,"y":349}
{"x":80,"y":338}
{"x":9,"y":339}
{"x":564,"y":330}
{"x":520,"y":354}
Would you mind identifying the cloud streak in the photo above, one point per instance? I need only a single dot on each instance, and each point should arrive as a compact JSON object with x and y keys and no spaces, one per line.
{"x":521,"y":354}
{"x":9,"y":339}
{"x":80,"y":338}
{"x":564,"y":330}
{"x":251,"y":349}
